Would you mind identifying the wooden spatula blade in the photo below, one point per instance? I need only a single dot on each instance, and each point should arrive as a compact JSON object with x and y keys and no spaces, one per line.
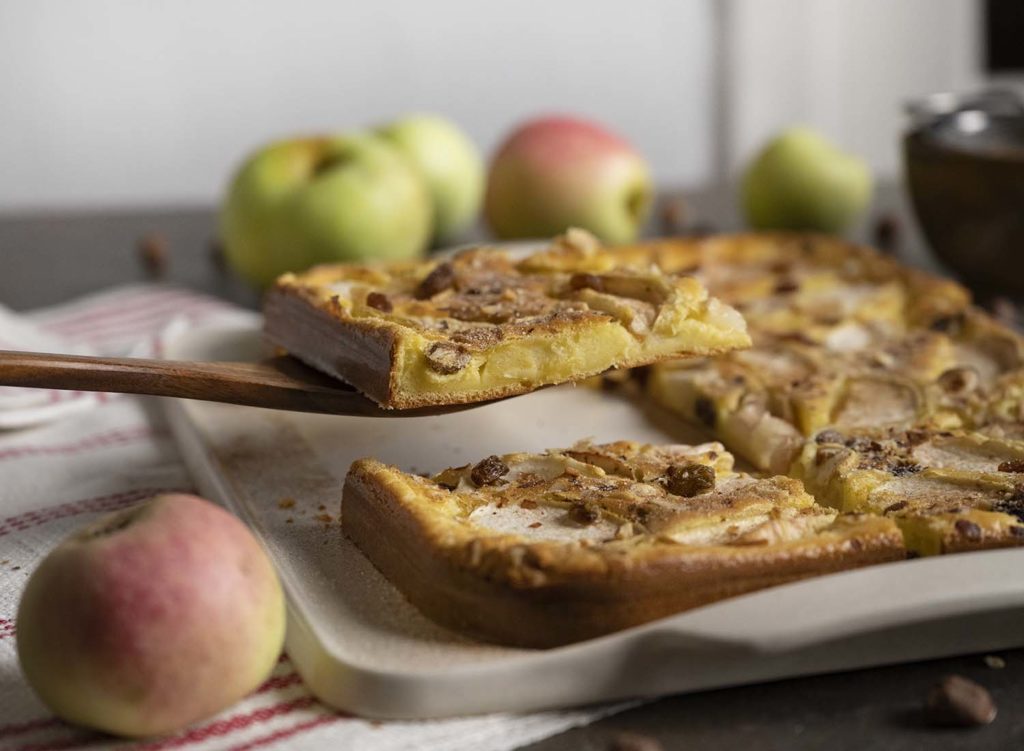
{"x":277,"y":383}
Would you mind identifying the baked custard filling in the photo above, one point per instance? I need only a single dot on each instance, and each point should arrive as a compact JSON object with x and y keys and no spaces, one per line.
{"x":481,"y":324}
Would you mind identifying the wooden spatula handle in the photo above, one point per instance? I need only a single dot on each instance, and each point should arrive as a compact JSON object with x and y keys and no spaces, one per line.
{"x":255,"y":384}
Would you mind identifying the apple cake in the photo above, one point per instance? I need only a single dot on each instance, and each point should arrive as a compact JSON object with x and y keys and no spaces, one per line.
{"x":786,"y":283}
{"x":545,"y":549}
{"x":481,"y":325}
{"x":855,"y":343}
{"x":949,"y":491}
{"x":765,"y":401}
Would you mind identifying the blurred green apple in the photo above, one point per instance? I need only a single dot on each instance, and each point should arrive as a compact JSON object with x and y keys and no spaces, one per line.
{"x":801,"y":181}
{"x":559,"y":172}
{"x":449,"y":163}
{"x":305,"y":201}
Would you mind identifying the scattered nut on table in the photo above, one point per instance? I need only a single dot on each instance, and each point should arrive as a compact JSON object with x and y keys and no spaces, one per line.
{"x":634,"y":742}
{"x":215,"y":250}
{"x":153,"y":254}
{"x":959,"y":702}
{"x":995,"y":662}
{"x":886,"y":233}
{"x":674,"y":216}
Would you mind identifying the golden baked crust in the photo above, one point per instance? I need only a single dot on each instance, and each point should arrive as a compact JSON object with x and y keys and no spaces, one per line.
{"x":949,"y":491}
{"x":481,"y":325}
{"x":542,"y":550}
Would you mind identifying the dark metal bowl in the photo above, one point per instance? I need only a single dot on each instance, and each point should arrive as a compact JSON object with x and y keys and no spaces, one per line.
{"x":964,"y":160}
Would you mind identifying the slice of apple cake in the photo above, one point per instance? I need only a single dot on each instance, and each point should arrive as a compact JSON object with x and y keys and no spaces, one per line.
{"x":546,"y":549}
{"x":481,"y":325}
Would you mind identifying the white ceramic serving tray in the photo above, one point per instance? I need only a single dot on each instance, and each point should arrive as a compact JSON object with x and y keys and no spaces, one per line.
{"x":362,"y":648}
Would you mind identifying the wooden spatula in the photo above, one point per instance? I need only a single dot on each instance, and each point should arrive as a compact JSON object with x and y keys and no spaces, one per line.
{"x":276,"y":383}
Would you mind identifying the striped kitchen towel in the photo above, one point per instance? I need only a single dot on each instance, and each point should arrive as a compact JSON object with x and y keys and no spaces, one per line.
{"x":75,"y":456}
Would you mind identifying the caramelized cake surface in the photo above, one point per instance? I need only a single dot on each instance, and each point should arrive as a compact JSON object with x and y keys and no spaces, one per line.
{"x":482,"y":325}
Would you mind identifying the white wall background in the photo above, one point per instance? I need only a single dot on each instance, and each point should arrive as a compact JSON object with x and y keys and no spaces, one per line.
{"x":845,"y":67}
{"x":121,"y":102}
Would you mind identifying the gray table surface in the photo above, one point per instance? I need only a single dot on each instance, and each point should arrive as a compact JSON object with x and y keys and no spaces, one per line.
{"x":46,"y":258}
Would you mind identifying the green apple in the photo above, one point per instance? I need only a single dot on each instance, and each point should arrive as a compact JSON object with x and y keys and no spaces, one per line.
{"x":801,"y":181}
{"x":553,"y":173}
{"x":305,"y":201}
{"x":450,"y":165}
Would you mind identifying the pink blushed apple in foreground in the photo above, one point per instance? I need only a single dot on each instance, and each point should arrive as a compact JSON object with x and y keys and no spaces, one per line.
{"x":151,"y":618}
{"x":559,"y":172}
